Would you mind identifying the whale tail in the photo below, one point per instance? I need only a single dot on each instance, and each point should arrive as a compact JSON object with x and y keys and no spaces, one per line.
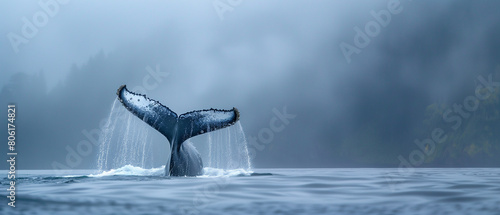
{"x":176,"y":129}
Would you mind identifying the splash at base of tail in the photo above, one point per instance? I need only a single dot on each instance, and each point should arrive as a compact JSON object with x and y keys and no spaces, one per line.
{"x":184,"y":160}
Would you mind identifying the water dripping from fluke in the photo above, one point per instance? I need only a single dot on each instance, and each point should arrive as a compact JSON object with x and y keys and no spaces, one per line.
{"x":227,"y":149}
{"x":125,"y":142}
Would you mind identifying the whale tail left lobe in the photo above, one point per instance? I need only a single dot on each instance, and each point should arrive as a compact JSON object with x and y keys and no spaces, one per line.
{"x":176,"y":129}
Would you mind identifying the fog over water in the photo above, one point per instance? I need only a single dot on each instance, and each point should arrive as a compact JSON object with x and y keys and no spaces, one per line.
{"x":269,"y":59}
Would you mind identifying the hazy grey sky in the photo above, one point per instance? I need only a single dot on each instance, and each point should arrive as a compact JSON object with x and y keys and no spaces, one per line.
{"x":261,"y":55}
{"x":80,"y":29}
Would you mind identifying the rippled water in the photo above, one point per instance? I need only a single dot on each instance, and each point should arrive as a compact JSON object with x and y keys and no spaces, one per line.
{"x":133,"y":190}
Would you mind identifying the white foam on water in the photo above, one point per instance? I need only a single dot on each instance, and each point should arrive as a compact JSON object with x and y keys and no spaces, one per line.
{"x":209,"y":172}
{"x":130,"y":170}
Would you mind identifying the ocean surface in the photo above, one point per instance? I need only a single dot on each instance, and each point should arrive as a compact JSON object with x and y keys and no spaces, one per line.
{"x":133,"y":190}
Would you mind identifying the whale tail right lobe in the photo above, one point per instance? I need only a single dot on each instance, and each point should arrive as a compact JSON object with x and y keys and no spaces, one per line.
{"x":176,"y":129}
{"x":199,"y":122}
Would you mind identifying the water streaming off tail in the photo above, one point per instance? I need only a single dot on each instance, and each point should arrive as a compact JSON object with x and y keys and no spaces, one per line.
{"x":125,"y":141}
{"x":227,"y":149}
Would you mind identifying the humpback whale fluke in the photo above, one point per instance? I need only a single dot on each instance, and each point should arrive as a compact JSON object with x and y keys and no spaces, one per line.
{"x":185,"y":160}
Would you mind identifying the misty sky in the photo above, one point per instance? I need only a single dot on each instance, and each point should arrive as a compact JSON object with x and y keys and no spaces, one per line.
{"x":256,"y":56}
